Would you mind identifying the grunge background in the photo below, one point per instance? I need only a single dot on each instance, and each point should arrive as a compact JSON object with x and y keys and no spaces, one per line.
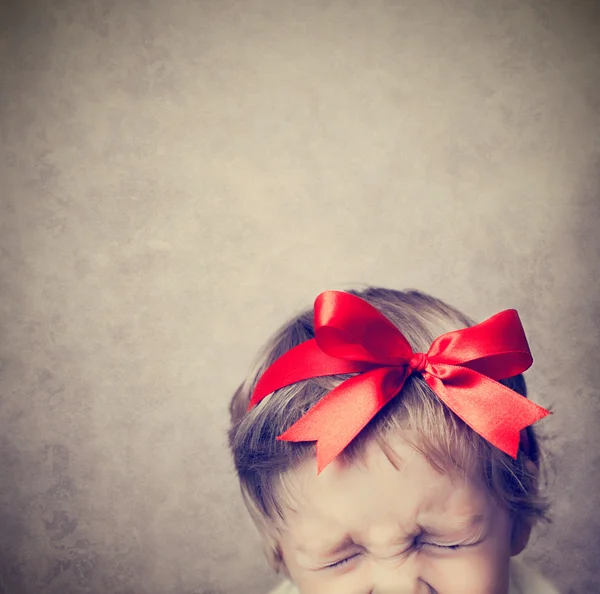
{"x":178,"y":177}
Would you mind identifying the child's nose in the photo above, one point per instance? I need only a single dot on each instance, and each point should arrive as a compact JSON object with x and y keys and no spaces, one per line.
{"x":398,"y":576}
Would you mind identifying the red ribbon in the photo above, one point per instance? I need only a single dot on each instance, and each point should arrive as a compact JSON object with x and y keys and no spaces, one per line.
{"x":461,"y":367}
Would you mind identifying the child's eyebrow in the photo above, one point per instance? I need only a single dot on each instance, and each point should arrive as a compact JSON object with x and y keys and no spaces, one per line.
{"x":460,"y":525}
{"x":327,"y":550}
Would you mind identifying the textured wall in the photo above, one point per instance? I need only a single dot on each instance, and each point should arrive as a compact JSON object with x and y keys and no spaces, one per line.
{"x":178,"y":177}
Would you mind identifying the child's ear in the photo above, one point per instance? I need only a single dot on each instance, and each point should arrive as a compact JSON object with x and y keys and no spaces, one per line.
{"x":521,"y":530}
{"x":520,"y":536}
{"x":284,"y":570}
{"x":275,"y":558}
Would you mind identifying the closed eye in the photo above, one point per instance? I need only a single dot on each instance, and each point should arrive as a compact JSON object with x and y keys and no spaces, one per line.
{"x":430,"y":545}
{"x":342,"y":562}
{"x":422,"y":542}
{"x":453,"y":547}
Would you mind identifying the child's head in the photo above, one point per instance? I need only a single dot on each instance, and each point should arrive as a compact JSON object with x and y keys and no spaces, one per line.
{"x":419,"y":501}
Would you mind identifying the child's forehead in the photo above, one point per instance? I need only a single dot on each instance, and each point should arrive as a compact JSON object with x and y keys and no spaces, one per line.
{"x":403,"y":489}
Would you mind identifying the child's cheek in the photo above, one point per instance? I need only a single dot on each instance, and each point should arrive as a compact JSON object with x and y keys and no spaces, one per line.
{"x":321,"y":583}
{"x":471,"y":572}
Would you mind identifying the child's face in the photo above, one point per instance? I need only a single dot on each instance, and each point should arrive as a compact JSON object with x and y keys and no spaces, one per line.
{"x":379,"y":529}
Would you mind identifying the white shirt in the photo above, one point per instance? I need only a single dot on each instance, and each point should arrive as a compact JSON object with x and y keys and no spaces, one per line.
{"x":523,"y":580}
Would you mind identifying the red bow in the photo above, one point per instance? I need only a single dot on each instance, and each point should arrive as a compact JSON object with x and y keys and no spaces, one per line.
{"x":461,"y":367}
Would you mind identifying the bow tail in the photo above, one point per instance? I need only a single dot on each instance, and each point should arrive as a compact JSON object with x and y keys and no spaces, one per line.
{"x":492,"y":410}
{"x":341,"y":415}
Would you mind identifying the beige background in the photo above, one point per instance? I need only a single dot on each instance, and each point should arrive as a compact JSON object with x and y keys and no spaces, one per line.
{"x":178,"y":177}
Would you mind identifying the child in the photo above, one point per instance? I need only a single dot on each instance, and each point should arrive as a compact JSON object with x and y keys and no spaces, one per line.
{"x":386,"y":447}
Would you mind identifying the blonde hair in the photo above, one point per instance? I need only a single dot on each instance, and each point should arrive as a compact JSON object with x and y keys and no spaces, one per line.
{"x":264,"y":465}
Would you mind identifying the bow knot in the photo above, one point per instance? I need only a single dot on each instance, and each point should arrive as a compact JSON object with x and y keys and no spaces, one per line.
{"x":417,"y":362}
{"x":461,"y":367}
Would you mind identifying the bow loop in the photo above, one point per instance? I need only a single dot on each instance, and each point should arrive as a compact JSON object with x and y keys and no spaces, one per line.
{"x":356,"y":331}
{"x":497,"y":347}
